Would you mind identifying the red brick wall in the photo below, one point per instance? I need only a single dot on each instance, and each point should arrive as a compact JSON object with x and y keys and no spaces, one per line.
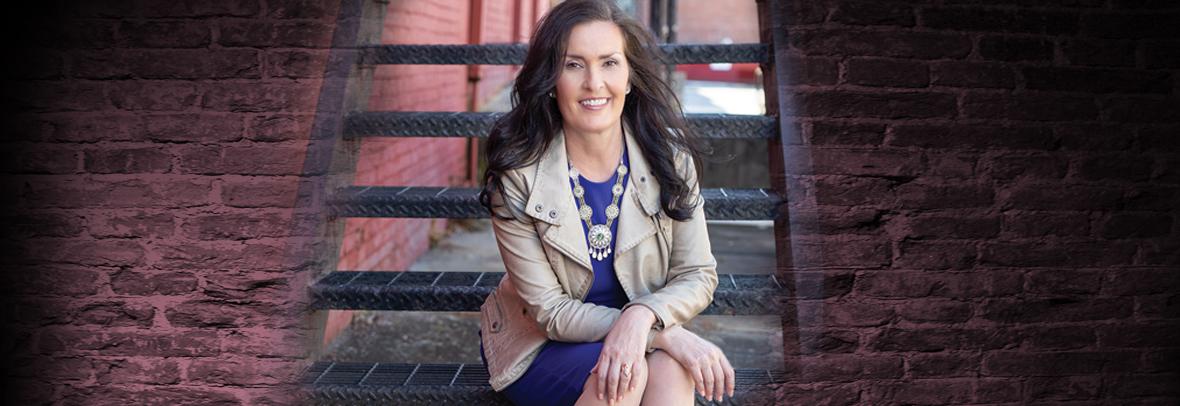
{"x":709,"y":21}
{"x":153,"y":153}
{"x":989,"y":193}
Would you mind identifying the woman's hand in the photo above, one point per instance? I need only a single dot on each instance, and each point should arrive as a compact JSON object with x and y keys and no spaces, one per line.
{"x":623,"y":353}
{"x":711,"y":373}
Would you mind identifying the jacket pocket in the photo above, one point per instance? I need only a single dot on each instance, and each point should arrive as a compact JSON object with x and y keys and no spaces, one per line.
{"x":492,"y":313}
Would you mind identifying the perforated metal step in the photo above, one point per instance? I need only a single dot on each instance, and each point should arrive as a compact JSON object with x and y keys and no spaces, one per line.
{"x":514,"y":54}
{"x":345,"y":383}
{"x":465,"y":124}
{"x":465,"y":292}
{"x":438,"y":202}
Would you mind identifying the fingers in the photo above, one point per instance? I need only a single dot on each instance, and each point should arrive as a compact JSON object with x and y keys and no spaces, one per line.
{"x":698,"y":379}
{"x":730,"y":376}
{"x":625,"y":374}
{"x":603,"y":367}
{"x":612,"y":381}
{"x":718,"y":389}
{"x":710,"y":379}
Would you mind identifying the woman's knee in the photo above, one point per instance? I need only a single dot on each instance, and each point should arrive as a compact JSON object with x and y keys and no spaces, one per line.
{"x":662,"y":366}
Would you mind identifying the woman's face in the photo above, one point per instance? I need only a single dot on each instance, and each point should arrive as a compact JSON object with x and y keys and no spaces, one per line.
{"x":594,"y":78}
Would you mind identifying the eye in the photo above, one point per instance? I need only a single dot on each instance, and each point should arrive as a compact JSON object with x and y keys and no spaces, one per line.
{"x":572,"y":65}
{"x":611,"y":62}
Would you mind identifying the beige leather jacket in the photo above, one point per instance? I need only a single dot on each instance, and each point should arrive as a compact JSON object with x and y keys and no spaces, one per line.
{"x":663,"y":264}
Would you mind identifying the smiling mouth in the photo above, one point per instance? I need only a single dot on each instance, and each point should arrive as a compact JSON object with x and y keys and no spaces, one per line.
{"x":594,"y":102}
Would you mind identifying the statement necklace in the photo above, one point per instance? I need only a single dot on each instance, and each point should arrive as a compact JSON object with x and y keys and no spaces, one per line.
{"x":599,"y":235}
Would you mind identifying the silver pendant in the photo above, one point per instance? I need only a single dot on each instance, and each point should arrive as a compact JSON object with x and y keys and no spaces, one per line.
{"x":600,"y":241}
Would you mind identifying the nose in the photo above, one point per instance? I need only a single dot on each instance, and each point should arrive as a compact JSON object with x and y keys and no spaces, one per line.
{"x":593,"y":80}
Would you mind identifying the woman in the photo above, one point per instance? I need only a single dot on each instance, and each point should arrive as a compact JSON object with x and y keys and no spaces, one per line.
{"x":595,"y":205}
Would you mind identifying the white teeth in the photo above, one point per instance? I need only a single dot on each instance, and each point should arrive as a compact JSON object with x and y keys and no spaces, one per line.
{"x":594,"y":102}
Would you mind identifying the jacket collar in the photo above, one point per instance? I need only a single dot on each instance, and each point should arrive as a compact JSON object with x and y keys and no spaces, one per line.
{"x":551,"y":193}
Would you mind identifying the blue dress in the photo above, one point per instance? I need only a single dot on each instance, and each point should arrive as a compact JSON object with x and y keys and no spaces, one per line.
{"x":559,"y":372}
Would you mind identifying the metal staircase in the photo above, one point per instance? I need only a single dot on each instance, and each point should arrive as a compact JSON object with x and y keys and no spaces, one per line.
{"x":430,"y":384}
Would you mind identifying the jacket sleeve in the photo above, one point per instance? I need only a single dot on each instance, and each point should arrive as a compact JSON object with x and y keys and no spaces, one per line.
{"x":562,"y":317}
{"x":692,"y":270}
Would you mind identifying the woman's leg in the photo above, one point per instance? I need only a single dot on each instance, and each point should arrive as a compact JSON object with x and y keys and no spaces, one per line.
{"x":667,"y":381}
{"x":590,"y":390}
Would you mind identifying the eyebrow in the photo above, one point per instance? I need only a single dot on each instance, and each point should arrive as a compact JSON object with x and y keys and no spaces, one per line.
{"x":604,"y":56}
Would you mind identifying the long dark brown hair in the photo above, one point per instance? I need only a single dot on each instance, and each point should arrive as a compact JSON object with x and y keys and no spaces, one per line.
{"x":652,"y":109}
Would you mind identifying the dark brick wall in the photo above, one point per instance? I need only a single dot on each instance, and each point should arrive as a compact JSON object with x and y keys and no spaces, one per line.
{"x":985,"y":202}
{"x":152,"y":156}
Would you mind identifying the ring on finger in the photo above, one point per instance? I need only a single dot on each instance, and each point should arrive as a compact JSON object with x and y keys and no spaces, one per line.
{"x":626,"y":371}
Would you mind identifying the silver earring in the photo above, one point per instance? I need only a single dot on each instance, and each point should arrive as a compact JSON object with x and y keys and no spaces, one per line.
{"x":551,"y":95}
{"x":628,"y":89}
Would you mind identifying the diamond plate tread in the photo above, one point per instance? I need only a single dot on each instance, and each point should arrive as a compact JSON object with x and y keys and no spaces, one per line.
{"x":465,"y":292}
{"x":514,"y":54}
{"x":442,"y":202}
{"x":478,"y":124}
{"x":363,"y":383}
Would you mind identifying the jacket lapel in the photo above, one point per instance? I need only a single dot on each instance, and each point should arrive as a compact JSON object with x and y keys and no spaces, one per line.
{"x":551,"y":201}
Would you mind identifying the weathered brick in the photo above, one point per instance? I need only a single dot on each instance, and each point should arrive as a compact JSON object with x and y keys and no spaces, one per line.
{"x":1064,"y":281}
{"x":1140,"y":335}
{"x":952,"y":164}
{"x":853,"y":191}
{"x":196,"y":64}
{"x":213,"y":314}
{"x":1141,"y":110}
{"x":166,"y":34}
{"x":993,"y":390}
{"x":922,"y":392}
{"x":137,"y":224}
{"x":1063,"y":388}
{"x":894,"y":105}
{"x":260,"y":192}
{"x":42,"y":224}
{"x":81,"y":34}
{"x":113,"y":394}
{"x":814,"y":341}
{"x":1030,"y":196}
{"x":1130,"y":26}
{"x":1015,"y":49}
{"x":1158,"y":307}
{"x":897,"y":44}
{"x":296,"y":63}
{"x":1011,"y":167}
{"x":57,"y":279}
{"x":268,"y":97}
{"x":1158,"y":198}
{"x":1046,"y":223}
{"x":144,"y":284}
{"x":265,"y":342}
{"x":94,"y":128}
{"x":845,"y":367}
{"x":191,"y":343}
{"x":1137,"y":225}
{"x":958,"y":226}
{"x":887,"y":73}
{"x":870,"y":162}
{"x":972,"y":137}
{"x":297,"y":9}
{"x":1029,"y":107}
{"x":1038,"y":253}
{"x":252,"y":33}
{"x":1041,"y":337}
{"x":1093,"y":52}
{"x":1162,"y":361}
{"x":279,"y":128}
{"x":1096,"y":80}
{"x":992,"y":20}
{"x":837,"y":133}
{"x":242,"y":371}
{"x":941,"y":339}
{"x":812,"y":70}
{"x":244,"y":160}
{"x":155,"y":371}
{"x":229,"y":255}
{"x":822,"y":284}
{"x":202,"y":8}
{"x":246,"y":285}
{"x":915,"y":195}
{"x":918,"y":254}
{"x":86,"y":252}
{"x":115,"y":314}
{"x":128,"y":160}
{"x":902,"y":284}
{"x":1115,"y":167}
{"x":237,"y":226}
{"x":43,"y":159}
{"x":1143,"y":385}
{"x":1134,"y":282}
{"x":939,"y":365}
{"x":201,"y":128}
{"x":154,"y":96}
{"x":63,"y":368}
{"x":1028,"y":364}
{"x":840,"y":220}
{"x":871,"y":13}
{"x":1108,"y":138}
{"x":50,"y":96}
{"x":131,"y":193}
{"x":934,"y":311}
{"x":972,"y":74}
{"x":845,"y":252}
{"x":1055,"y":310}
{"x":849,"y":314}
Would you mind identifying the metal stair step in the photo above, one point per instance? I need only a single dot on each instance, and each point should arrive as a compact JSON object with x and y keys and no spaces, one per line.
{"x":443,"y":202}
{"x":478,"y":124}
{"x":465,"y":292}
{"x":357,"y":383}
{"x":514,"y":54}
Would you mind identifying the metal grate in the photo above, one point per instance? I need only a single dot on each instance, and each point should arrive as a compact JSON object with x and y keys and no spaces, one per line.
{"x":514,"y":54}
{"x":462,"y":124}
